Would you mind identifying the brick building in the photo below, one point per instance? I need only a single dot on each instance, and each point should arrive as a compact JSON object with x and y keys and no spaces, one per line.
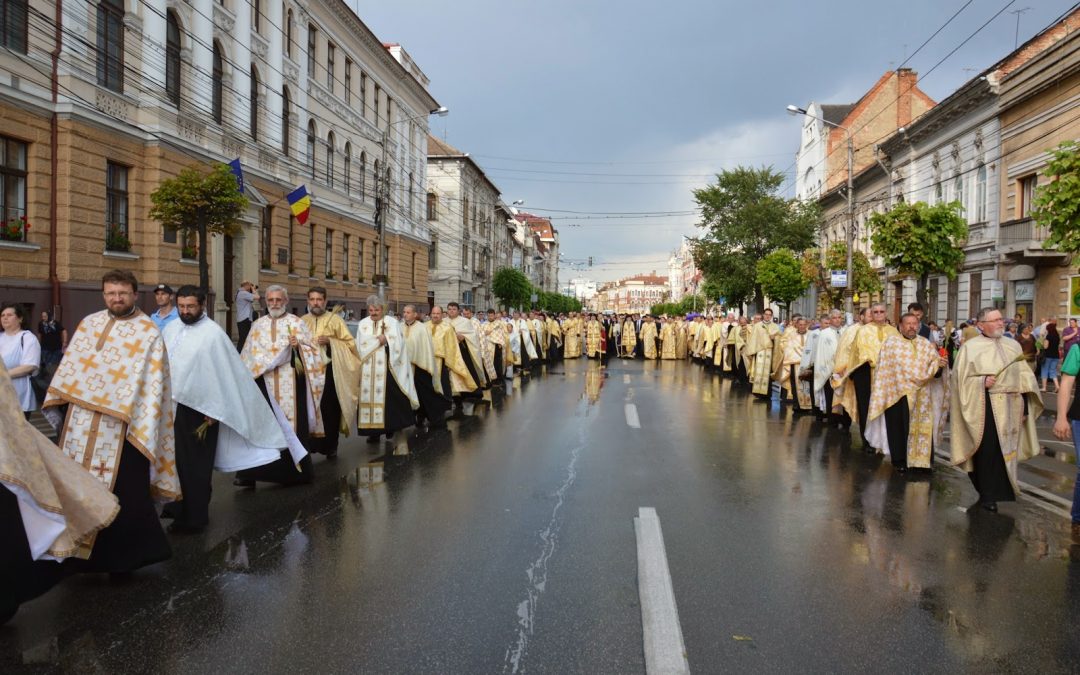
{"x":301,"y":93}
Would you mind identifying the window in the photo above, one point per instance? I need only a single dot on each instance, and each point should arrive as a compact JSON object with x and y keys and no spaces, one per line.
{"x":375,"y":176}
{"x":389,"y":111}
{"x":331,"y":52}
{"x":344,"y":257}
{"x":375,"y":103}
{"x":980,"y":194}
{"x":348,"y":81}
{"x":1026,"y":195}
{"x":110,"y":44}
{"x":348,"y":168}
{"x":465,"y":213}
{"x":13,"y":27}
{"x":312,"y":35}
{"x":13,"y":188}
{"x":267,"y":237}
{"x":253,"y":96}
{"x":958,"y":192}
{"x":939,"y":193}
{"x":432,"y":206}
{"x":172,"y":58}
{"x":433,"y":254}
{"x":311,"y":146}
{"x":288,"y":31}
{"x":464,"y":255}
{"x":363,"y":175}
{"x":330,"y":160}
{"x":412,"y":196}
{"x":363,"y":94}
{"x":412,"y":272}
{"x":286,"y":121}
{"x":329,"y":253}
{"x":116,"y":208}
{"x":360,"y":260}
{"x":256,"y":15}
{"x":216,"y":99}
{"x":311,"y":250}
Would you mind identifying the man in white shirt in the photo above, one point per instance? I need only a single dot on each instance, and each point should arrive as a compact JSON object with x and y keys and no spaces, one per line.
{"x":245,"y":298}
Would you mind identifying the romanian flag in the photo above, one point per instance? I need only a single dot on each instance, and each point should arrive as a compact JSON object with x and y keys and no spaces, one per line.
{"x":300,"y":204}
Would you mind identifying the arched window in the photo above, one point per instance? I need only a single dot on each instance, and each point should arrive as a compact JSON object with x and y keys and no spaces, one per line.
{"x":172,"y":58}
{"x":348,"y":168}
{"x":958,"y":192}
{"x":375,"y":178}
{"x":286,"y":120}
{"x":311,"y":146}
{"x":253,"y":96}
{"x":363,"y":175}
{"x":330,"y":159}
{"x":216,"y":98}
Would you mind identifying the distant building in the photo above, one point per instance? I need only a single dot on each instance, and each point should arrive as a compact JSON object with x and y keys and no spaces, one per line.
{"x":632,"y":294}
{"x":683,"y":275}
{"x":544,"y":268}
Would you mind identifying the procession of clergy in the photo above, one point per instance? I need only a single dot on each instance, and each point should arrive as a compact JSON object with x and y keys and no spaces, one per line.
{"x":146,"y":415}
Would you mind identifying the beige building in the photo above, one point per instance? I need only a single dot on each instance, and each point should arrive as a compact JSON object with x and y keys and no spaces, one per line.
{"x":635,"y":294}
{"x":1038,"y":103}
{"x":300,"y":92}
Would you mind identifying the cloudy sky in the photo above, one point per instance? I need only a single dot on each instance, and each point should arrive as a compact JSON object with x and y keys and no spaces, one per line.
{"x":591,"y":109}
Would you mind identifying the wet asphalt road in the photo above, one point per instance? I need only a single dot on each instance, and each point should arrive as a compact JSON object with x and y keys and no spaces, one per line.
{"x":506,"y":544}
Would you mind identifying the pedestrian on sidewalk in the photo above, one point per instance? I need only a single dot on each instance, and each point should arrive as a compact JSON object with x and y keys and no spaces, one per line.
{"x":1027,"y":345}
{"x":1051,"y":356}
{"x":1069,"y":337}
{"x":1068,"y":422}
{"x":21,"y":353}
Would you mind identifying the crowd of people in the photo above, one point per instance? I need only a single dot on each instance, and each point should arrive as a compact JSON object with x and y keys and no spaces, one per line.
{"x":147,"y":407}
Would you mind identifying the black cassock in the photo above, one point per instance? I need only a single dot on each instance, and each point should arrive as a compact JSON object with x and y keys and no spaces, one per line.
{"x":433,"y":405}
{"x":284,"y":471}
{"x":991,"y":477}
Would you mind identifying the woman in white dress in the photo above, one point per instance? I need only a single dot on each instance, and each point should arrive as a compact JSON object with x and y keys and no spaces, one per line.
{"x":21,"y":354}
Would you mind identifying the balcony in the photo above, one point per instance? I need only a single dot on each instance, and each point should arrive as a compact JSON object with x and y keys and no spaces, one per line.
{"x":1022,"y":239}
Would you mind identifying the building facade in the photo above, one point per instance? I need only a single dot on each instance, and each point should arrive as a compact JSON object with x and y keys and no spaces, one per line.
{"x":303,"y":93}
{"x":634,"y":294}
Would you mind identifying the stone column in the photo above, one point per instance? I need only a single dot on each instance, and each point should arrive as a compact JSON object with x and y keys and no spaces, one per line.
{"x":275,"y":25}
{"x":202,"y":55}
{"x":153,"y":44}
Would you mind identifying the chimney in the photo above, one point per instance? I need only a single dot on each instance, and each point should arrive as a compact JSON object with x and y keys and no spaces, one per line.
{"x":906,"y":79}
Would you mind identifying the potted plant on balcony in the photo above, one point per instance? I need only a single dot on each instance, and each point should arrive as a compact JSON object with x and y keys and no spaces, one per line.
{"x":15,"y":229}
{"x":117,"y":240}
{"x":188,"y":252}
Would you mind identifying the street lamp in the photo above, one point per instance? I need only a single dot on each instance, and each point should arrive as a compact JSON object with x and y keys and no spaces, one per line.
{"x":382,"y":199}
{"x":796,"y":110}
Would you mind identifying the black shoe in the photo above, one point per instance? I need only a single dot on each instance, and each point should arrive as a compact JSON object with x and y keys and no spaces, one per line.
{"x":177,"y":528}
{"x":331,"y":455}
{"x":242,"y":483}
{"x":989,"y":506}
{"x":8,"y":613}
{"x":901,"y":469}
{"x":372,"y":440}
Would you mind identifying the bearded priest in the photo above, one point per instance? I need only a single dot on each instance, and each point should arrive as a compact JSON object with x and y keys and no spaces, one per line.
{"x":434,"y":401}
{"x":387,"y":400}
{"x":280,"y":353}
{"x":336,"y":345}
{"x":222,"y":420}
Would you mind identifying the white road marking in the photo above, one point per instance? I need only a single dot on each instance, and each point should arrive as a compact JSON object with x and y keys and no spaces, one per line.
{"x":631,"y":416}
{"x":626,"y":378}
{"x":665,"y":651}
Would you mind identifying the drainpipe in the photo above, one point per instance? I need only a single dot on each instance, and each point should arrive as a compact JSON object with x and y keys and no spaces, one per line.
{"x":54,"y":142}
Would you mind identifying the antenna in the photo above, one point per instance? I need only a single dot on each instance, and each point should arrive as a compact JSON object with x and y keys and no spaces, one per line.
{"x":1016,"y":35}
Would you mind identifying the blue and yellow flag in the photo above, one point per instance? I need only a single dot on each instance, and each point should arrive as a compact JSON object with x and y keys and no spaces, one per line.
{"x":300,"y":204}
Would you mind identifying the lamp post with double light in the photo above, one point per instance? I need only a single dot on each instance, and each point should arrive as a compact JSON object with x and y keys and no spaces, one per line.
{"x":796,"y":110}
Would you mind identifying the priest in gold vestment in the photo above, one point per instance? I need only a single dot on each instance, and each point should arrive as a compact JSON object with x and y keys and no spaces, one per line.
{"x":114,"y":379}
{"x":571,"y":329}
{"x":759,"y":354}
{"x":791,"y":345}
{"x":649,"y":336}
{"x":337,"y":348}
{"x":856,"y":360}
{"x":594,"y":335}
{"x":628,"y":338}
{"x":450,"y":369}
{"x":908,"y":399}
{"x":434,"y":401}
{"x":668,"y":338}
{"x":281,"y":354}
{"x":387,"y":401}
{"x":995,"y":402}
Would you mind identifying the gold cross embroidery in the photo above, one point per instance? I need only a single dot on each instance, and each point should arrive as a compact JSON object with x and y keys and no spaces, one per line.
{"x":133,"y":348}
{"x":101,"y":469}
{"x":117,"y":374}
{"x":87,"y":363}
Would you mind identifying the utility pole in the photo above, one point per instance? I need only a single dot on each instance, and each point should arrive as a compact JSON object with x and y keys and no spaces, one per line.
{"x":382,"y":197}
{"x":848,"y":305}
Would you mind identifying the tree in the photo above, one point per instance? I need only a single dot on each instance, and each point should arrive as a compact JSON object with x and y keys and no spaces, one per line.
{"x":1057,"y":204}
{"x":744,"y":219}
{"x":199,"y":204}
{"x":780,"y":276}
{"x":921,"y":240}
{"x":511,"y":287}
{"x":866,"y":280}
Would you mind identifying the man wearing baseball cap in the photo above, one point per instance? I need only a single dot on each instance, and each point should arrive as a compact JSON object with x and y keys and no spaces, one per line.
{"x":166,"y":311}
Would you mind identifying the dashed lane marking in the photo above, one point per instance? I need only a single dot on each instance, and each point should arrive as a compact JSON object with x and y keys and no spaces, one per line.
{"x":665,"y":651}
{"x":631,"y":416}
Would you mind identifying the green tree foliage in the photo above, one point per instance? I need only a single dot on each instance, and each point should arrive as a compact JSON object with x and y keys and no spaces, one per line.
{"x":921,"y":240}
{"x":1057,"y":204}
{"x":866,"y":280}
{"x":780,"y":275}
{"x":689,"y":303}
{"x":511,"y":287}
{"x":744,"y":219}
{"x":556,"y":302}
{"x":200,"y":204}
